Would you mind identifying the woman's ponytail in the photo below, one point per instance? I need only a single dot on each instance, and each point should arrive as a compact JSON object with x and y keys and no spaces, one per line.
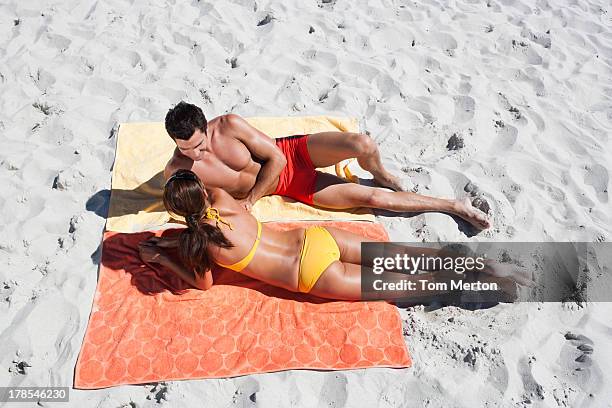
{"x":185,"y":195}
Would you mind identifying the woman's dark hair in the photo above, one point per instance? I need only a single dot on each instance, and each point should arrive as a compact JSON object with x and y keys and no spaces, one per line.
{"x":184,"y":196}
{"x":183,"y":120}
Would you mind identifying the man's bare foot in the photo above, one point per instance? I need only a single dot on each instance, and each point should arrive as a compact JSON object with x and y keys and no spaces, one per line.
{"x":390,"y":181}
{"x":465,"y":210}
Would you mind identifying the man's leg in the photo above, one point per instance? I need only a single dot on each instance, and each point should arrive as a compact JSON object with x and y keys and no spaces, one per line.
{"x":329,"y":148}
{"x":333,"y":192}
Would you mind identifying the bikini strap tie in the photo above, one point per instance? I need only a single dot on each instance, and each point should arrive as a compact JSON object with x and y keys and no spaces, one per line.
{"x":213,"y":214}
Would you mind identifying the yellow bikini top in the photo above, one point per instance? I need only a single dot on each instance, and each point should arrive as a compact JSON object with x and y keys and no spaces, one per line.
{"x":213,"y":214}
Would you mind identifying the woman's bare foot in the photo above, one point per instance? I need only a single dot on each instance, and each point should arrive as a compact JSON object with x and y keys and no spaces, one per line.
{"x":465,"y":210}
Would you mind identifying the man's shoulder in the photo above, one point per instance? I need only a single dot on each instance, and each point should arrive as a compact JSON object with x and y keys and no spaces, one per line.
{"x":228,"y":121}
{"x":229,"y":118}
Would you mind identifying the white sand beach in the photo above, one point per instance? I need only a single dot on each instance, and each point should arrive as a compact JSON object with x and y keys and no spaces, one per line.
{"x":511,"y":98}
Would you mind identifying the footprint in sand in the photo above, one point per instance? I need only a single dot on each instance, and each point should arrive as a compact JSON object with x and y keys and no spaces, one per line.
{"x":464,"y":108}
{"x":465,"y":86}
{"x":511,"y":190}
{"x":535,"y":118}
{"x":532,"y":389}
{"x":597,"y":176}
{"x":518,"y":49}
{"x":419,"y":178}
{"x":444,"y":41}
{"x":57,"y":41}
{"x":583,"y":373}
{"x":113,"y":90}
{"x":506,"y":135}
{"x":514,"y":112}
{"x":529,"y":75}
{"x":391,"y":39}
{"x":182,"y":40}
{"x":583,"y":348}
{"x":542,"y":39}
{"x":359,"y":69}
{"x":43,"y":79}
{"x":420,"y":106}
{"x":326,"y":59}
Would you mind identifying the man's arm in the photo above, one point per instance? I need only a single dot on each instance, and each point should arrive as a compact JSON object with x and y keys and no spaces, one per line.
{"x":264,"y":148}
{"x":168,"y":170}
{"x":177,"y":162}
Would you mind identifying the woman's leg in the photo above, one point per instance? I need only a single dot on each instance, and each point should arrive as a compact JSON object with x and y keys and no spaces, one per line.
{"x":349,"y":244}
{"x":342,"y":281}
{"x":350,"y":247}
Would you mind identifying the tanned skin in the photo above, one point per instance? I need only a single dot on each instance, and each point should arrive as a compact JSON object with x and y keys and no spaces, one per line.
{"x":277,"y":257}
{"x":231,"y":155}
{"x":234,"y":156}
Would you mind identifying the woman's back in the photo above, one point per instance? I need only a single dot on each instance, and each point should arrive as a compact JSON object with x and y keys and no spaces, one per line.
{"x":277,"y":254}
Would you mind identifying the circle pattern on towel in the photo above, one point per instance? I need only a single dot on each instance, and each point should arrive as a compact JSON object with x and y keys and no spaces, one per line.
{"x":226,"y":331}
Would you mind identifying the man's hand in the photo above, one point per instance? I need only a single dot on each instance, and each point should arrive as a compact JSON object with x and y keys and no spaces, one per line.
{"x":150,"y":252}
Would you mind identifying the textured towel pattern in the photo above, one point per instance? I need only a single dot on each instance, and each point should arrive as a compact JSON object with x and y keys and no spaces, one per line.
{"x":143,"y":149}
{"x":146,"y":325}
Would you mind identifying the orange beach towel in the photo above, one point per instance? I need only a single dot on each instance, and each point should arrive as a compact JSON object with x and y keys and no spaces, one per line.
{"x":147,"y":325}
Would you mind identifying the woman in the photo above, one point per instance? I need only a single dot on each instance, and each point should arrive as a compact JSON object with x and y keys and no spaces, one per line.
{"x":322,"y":261}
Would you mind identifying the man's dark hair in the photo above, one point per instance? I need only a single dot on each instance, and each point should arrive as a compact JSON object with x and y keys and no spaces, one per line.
{"x":183,"y":120}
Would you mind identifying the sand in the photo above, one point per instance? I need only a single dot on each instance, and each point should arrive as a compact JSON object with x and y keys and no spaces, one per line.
{"x":514,"y":97}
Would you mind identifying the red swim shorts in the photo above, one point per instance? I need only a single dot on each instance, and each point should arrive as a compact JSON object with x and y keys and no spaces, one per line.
{"x":299,"y":177}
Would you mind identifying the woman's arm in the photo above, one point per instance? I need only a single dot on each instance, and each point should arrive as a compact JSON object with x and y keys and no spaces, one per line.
{"x":195,"y":280}
{"x":151,"y":252}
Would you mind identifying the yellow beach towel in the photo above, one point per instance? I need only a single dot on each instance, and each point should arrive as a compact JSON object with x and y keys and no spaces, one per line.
{"x":143,"y":149}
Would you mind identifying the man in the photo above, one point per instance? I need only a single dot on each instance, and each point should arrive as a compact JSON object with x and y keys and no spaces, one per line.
{"x":228,"y":153}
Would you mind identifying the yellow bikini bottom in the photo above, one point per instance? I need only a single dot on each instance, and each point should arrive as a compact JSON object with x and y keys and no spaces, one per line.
{"x":318,"y":252}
